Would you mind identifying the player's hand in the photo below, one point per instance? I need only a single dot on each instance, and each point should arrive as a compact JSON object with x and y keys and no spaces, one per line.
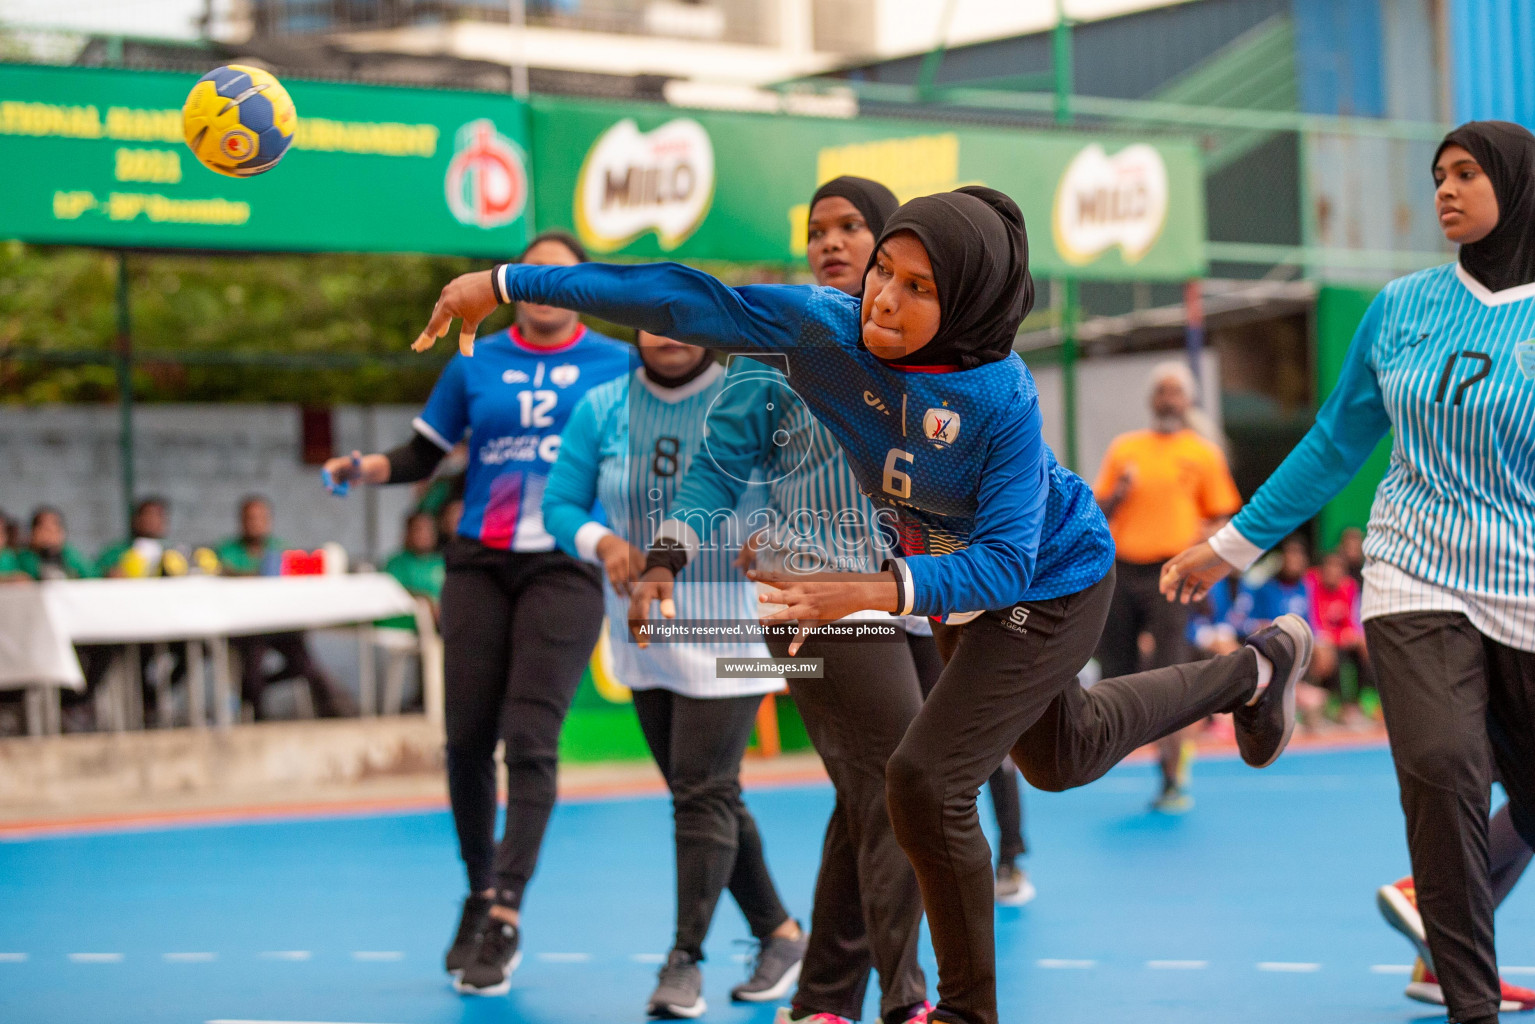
{"x":622,"y":561}
{"x":656,"y":585}
{"x":358,"y":468}
{"x":468,"y":298}
{"x":747,"y":556}
{"x":1187,"y":577}
{"x":819,"y":598}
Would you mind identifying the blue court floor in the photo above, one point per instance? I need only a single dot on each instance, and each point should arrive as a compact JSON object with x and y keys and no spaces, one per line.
{"x":1257,"y":907}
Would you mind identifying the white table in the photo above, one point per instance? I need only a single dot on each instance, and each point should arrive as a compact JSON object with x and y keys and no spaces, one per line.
{"x":39,"y":623}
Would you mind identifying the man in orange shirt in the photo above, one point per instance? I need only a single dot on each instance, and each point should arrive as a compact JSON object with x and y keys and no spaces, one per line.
{"x":1158,"y":487}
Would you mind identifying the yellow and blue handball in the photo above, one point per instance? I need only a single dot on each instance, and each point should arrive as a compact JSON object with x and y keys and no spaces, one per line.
{"x":239,"y":120}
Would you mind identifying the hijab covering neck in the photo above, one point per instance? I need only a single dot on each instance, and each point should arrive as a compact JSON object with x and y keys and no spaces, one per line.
{"x":1506,"y":151}
{"x":979,"y":249}
{"x":871,"y":199}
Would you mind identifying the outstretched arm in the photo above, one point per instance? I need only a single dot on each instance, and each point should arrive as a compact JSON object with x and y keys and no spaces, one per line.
{"x":1348,"y":428}
{"x":663,"y":298}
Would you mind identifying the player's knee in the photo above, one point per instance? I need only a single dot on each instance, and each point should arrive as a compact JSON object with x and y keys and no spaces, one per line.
{"x":1442,"y":759}
{"x":912,"y":793}
{"x":1046,"y":773}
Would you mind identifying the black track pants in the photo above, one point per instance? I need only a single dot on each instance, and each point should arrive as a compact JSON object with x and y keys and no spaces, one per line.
{"x":1458,"y":706}
{"x":867,"y":907}
{"x":517,"y":631}
{"x":1010,"y":683}
{"x":698,"y":743}
{"x":1006,"y":790}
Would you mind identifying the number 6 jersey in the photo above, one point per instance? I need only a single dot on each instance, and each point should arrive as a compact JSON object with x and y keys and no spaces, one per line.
{"x":986,"y":516}
{"x":513,"y":400}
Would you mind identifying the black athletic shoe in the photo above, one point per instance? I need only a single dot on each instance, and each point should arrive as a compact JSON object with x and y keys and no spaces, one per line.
{"x":497,"y":952}
{"x":1263,"y":729}
{"x":475,"y":909}
{"x":775,"y":972}
{"x":679,"y":989}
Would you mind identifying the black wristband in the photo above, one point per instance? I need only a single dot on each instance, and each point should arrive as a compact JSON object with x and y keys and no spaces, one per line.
{"x":668,"y":555}
{"x":495,"y":284}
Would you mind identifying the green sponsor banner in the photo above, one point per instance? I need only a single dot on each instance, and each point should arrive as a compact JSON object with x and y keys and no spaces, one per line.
{"x":649,"y":181}
{"x":97,"y":157}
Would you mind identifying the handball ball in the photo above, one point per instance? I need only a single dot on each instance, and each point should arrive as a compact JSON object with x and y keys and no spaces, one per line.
{"x":239,"y":120}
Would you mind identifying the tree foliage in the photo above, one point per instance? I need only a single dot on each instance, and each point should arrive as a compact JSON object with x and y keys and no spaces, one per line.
{"x":224,"y":318}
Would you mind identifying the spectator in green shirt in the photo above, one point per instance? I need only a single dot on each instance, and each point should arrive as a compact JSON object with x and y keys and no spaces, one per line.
{"x":419,"y":566}
{"x":150,"y":522}
{"x":47,"y":555}
{"x":256,"y":552}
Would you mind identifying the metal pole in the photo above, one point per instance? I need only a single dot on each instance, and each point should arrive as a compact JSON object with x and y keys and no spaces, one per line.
{"x":1194,"y":328}
{"x":1060,"y":51}
{"x":517,"y":15}
{"x":125,"y":391}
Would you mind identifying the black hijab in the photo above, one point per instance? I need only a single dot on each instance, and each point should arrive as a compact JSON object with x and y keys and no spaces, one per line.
{"x":1506,"y":151}
{"x":979,"y":249}
{"x":870,"y":198}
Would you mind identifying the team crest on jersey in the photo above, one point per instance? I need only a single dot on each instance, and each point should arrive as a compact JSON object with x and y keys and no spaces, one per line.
{"x":564,"y":375}
{"x":941,"y":426}
{"x":1524,"y":355}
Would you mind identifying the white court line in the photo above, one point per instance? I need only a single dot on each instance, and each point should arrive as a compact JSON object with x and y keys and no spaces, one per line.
{"x":649,"y":958}
{"x":96,"y":958}
{"x":233,"y":1021}
{"x":13,"y":958}
{"x":190,"y":958}
{"x":1391,"y":968}
{"x":377,"y":955}
{"x":1066,"y":965}
{"x":1177,"y":965}
{"x":564,"y":958}
{"x":1517,"y":970}
{"x":1286,"y":967}
{"x":286,"y":954}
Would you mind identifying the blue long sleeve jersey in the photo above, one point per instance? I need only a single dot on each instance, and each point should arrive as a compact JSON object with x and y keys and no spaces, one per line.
{"x":984,"y":514}
{"x":1452,"y":367}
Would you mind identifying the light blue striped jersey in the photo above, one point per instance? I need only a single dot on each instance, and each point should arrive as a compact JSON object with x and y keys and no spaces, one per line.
{"x":628,"y":445}
{"x":818,"y":518}
{"x":1451,"y":366}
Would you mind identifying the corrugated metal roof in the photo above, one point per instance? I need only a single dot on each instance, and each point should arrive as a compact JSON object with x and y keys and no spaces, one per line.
{"x":1492,"y":43}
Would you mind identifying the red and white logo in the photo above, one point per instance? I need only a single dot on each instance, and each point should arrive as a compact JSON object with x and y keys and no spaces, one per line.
{"x":487,"y":181}
{"x":941,"y":426}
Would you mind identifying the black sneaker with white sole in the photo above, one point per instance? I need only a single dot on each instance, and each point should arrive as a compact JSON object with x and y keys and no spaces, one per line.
{"x":469,"y":920}
{"x":775,"y":972}
{"x":679,"y":989}
{"x":1264,"y":728}
{"x":497,"y":952}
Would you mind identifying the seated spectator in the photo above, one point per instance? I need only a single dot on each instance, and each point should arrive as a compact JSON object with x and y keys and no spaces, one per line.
{"x":447,"y":522}
{"x":143,"y":552}
{"x":255,"y":552}
{"x":1351,"y":547}
{"x":1283,"y":594}
{"x":10,"y":532}
{"x":418,"y":566}
{"x":1334,"y":614}
{"x":47,"y":554}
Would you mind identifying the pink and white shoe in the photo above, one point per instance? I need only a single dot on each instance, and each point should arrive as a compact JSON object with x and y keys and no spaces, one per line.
{"x":786,"y":1015}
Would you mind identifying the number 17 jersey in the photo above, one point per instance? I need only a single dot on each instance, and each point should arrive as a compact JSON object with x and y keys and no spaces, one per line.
{"x":513,"y":400}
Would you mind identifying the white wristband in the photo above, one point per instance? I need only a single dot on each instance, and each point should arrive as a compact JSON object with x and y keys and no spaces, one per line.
{"x":1234,"y":548}
{"x":588,"y":537}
